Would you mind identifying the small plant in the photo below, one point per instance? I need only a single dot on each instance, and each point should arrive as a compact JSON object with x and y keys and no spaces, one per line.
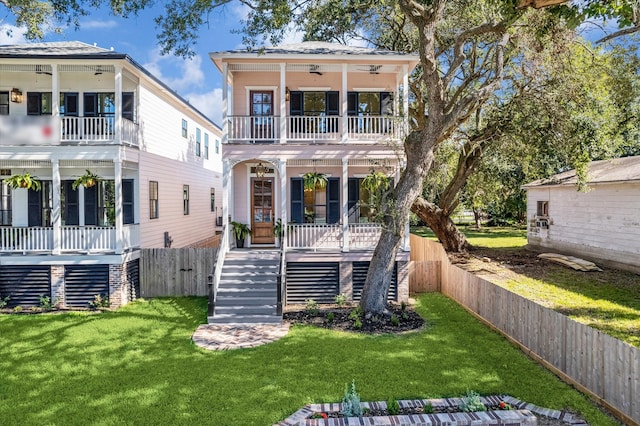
{"x":394,"y":320}
{"x":87,"y":180}
{"x":403,"y":306}
{"x":357,"y":324}
{"x":330,"y":317}
{"x":405,"y":316}
{"x":351,"y":402}
{"x":99,"y":301}
{"x":504,"y":406}
{"x":278,"y":229}
{"x":340,"y":299}
{"x":311,"y":306}
{"x":393,"y":408}
{"x":471,"y":402}
{"x":17,"y":308}
{"x":428,"y":408}
{"x":45,"y":302}
{"x":4,"y":301}
{"x":319,"y":416}
{"x":355,"y":313}
{"x":23,"y":181}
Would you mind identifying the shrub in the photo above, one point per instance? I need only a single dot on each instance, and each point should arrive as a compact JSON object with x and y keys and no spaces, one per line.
{"x":17,"y":308}
{"x":99,"y":301}
{"x":428,"y":408}
{"x":45,"y":302}
{"x":330,"y":317}
{"x":403,"y":306}
{"x":394,"y":320}
{"x":351,"y":402}
{"x":393,"y":408}
{"x":4,"y":301}
{"x":471,"y":402}
{"x":311,"y":306}
{"x":357,"y":324}
{"x":341,"y":299}
{"x":355,"y":313}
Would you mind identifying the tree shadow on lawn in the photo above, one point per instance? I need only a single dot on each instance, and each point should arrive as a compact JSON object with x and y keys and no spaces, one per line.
{"x":104,"y":371}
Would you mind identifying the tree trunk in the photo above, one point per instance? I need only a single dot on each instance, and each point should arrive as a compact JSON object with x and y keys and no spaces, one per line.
{"x":441,"y":224}
{"x":476,"y":217}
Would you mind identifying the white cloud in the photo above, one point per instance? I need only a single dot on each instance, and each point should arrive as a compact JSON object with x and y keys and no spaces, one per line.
{"x":94,"y":24}
{"x":179,"y":74}
{"x":209,"y":103}
{"x":10,"y":34}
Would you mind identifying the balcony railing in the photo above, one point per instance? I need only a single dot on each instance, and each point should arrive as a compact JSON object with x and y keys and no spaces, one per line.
{"x":325,"y":129}
{"x":73,"y":238}
{"x":47,"y":130}
{"x":313,"y":236}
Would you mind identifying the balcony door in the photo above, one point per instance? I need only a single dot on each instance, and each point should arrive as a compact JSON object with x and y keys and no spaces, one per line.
{"x":262,"y":115}
{"x":262,"y":211}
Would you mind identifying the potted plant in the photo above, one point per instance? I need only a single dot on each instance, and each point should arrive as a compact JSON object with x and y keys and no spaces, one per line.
{"x":87,"y":180}
{"x":313,"y":180}
{"x":23,"y":181}
{"x":240,"y":231}
{"x":278,"y":229}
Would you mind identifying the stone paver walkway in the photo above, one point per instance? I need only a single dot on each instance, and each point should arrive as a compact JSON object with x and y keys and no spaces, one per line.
{"x":222,"y":337}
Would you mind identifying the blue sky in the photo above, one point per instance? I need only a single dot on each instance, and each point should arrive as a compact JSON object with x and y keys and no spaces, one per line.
{"x":197,"y":80}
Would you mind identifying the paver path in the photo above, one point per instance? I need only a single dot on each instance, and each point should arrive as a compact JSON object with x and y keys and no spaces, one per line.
{"x":222,"y":337}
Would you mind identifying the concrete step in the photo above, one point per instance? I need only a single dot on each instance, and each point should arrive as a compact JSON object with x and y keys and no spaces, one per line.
{"x":245,"y":310}
{"x":253,"y":291}
{"x":244,"y":319}
{"x":246,"y":301}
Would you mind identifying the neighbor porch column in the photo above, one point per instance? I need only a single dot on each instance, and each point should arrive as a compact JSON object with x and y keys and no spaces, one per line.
{"x":345,"y":205}
{"x":282,"y":170}
{"x":117,"y":166}
{"x":407,"y":230}
{"x":226,"y":181}
{"x":55,"y":91}
{"x":283,"y":103}
{"x":345,"y":105}
{"x":56,"y":218}
{"x":225,"y":105}
{"x":118,"y":105}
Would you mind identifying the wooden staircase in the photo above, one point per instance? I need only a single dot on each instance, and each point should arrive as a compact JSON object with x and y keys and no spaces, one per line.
{"x":247,"y":291}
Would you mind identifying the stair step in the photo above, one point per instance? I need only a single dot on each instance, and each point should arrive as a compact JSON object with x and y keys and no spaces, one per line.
{"x":246,"y":310}
{"x":244,"y":319}
{"x":225,"y":300}
{"x":267,"y":291}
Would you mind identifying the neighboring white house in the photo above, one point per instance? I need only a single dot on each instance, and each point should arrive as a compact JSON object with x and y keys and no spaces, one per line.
{"x":323,"y":108}
{"x":602,"y":224}
{"x":69,"y":107}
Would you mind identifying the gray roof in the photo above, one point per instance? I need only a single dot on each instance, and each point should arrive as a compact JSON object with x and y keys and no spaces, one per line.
{"x":62,"y":49}
{"x":316,"y":48}
{"x":626,"y":169}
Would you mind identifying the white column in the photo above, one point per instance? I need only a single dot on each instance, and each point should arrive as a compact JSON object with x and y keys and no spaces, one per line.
{"x":81,"y":205}
{"x":345,"y":205}
{"x":345,"y":105}
{"x":56,"y":214}
{"x":118,"y":105}
{"x":406,"y":239}
{"x":282,"y":170}
{"x":226,"y":195}
{"x":283,"y":103}
{"x":118,"y":184}
{"x":405,"y":98}
{"x":225,"y":105}
{"x":55,"y":91}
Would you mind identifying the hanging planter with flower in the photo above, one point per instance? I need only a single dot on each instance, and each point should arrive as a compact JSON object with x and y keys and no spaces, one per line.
{"x":87,"y":180}
{"x":314,"y":180}
{"x":25,"y":181}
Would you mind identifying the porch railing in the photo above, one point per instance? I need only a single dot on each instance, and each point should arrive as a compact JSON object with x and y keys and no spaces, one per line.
{"x":88,"y":238}
{"x":314,"y":236}
{"x":380,"y":127}
{"x":23,"y":239}
{"x":254,"y":128}
{"x":130,"y":236}
{"x":364,"y":235}
{"x":97,"y":129}
{"x":314,"y":128}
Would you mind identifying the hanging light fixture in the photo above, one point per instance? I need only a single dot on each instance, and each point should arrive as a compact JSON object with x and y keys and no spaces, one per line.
{"x":260,"y":170}
{"x":16,"y":95}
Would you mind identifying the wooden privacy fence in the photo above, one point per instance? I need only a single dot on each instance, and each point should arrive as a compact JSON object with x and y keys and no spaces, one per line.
{"x":598,"y":364}
{"x":425,"y":267}
{"x":175,"y":272}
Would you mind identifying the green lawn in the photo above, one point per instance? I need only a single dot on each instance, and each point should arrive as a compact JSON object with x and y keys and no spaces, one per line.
{"x":492,"y":237}
{"x":138,"y":366}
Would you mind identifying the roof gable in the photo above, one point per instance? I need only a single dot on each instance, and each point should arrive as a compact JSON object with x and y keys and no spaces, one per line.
{"x":625,"y":169}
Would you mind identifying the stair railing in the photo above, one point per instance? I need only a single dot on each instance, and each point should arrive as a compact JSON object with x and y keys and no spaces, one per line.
{"x":282,"y":276}
{"x":214,"y":277}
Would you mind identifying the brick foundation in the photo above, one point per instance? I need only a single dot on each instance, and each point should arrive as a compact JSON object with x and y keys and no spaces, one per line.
{"x":57,"y":286}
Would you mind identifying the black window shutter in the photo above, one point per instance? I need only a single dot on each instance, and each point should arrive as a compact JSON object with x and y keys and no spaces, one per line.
{"x":352,"y":103}
{"x":33,"y":103}
{"x":333,"y":103}
{"x":127,"y":201}
{"x":71,"y":211}
{"x":91,"y":206}
{"x":295,"y":103}
{"x":71,"y":104}
{"x":35,"y":208}
{"x":354,"y":196}
{"x":90,"y":104}
{"x":386,"y":103}
{"x":127,"y":105}
{"x":333,"y":200}
{"x":297,"y":200}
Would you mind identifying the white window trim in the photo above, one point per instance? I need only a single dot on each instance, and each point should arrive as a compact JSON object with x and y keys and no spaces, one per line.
{"x":248,"y":90}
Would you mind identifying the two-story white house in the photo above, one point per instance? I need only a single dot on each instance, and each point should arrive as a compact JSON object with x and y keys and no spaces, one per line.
{"x":68,"y":109}
{"x":321,"y":109}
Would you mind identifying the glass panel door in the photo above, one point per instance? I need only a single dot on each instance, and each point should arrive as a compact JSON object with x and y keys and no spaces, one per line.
{"x":262,"y":211}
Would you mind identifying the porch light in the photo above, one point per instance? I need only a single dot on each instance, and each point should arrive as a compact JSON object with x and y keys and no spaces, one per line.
{"x":16,"y":96}
{"x":288,"y":94}
{"x":260,"y":170}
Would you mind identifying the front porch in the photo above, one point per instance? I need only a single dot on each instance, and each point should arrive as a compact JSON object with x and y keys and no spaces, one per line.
{"x":312,"y":236}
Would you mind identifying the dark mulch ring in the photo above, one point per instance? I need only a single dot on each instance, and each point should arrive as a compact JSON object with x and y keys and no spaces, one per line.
{"x":398,"y":319}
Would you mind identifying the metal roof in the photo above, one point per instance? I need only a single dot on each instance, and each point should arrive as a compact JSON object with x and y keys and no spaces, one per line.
{"x":617,"y":170}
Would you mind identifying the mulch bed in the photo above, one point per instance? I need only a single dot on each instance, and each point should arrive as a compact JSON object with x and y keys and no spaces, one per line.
{"x":398,"y":319}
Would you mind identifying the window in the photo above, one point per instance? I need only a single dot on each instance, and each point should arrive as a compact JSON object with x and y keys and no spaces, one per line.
{"x":99,"y":205}
{"x":364,"y":108}
{"x":360,"y":205}
{"x":5,"y":204}
{"x":206,"y":146}
{"x":185,"y":199}
{"x":69,"y":104}
{"x":213,"y":199}
{"x":4,"y":103}
{"x":128,"y":216}
{"x":39,"y":103}
{"x":128,"y":106}
{"x":39,"y":203}
{"x":198,"y":142}
{"x":543,"y":208}
{"x":320,"y":205}
{"x":217,"y":146}
{"x":153,"y":200}
{"x":324,"y":105}
{"x":184,"y":128}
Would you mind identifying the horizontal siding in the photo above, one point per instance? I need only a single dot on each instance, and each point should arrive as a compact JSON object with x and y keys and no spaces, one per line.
{"x":83,"y":282}
{"x":24,"y":284}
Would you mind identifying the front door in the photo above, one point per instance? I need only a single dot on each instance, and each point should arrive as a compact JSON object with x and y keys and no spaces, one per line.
{"x":262,"y":208}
